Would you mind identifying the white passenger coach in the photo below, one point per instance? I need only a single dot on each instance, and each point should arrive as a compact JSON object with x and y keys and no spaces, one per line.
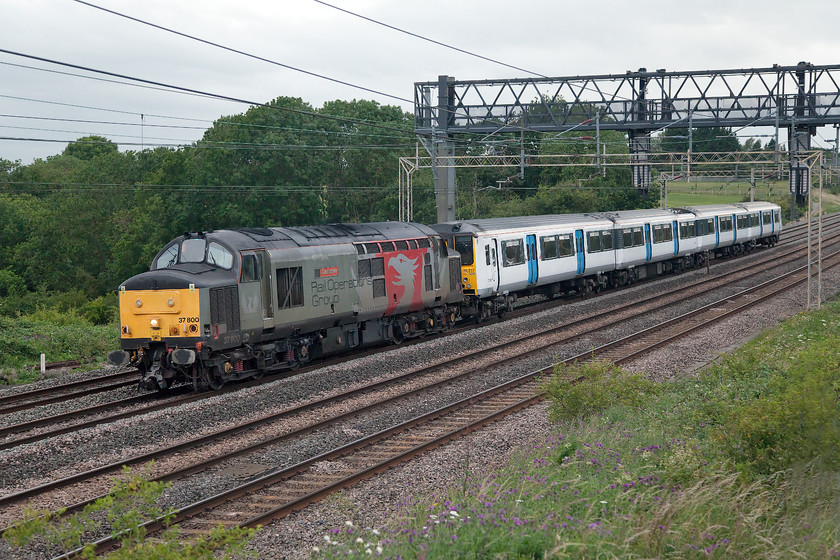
{"x":505,"y":257}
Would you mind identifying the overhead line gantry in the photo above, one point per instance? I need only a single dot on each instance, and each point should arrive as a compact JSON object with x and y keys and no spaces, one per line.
{"x":797,"y":98}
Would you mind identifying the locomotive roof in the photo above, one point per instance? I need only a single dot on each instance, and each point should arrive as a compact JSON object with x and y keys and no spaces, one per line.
{"x":329,"y":234}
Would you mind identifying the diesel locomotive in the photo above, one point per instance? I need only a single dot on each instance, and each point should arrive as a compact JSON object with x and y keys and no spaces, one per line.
{"x":231,"y":304}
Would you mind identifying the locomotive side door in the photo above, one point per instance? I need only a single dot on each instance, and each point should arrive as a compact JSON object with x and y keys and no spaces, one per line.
{"x":255,"y":290}
{"x":581,"y":255}
{"x":265,"y":288}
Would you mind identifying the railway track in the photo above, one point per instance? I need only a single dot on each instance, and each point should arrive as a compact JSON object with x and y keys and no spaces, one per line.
{"x":276,"y":493}
{"x":64,"y":422}
{"x":66,"y":391}
{"x":545,"y":338}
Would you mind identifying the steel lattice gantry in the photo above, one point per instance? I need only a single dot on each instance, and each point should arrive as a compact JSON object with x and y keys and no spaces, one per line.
{"x":798,"y":98}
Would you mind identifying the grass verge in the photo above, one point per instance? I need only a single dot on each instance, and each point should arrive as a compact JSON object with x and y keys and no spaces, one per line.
{"x":59,"y":335}
{"x":739,"y":461}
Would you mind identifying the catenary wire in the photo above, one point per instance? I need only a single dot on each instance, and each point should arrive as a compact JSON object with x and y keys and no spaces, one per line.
{"x":243,"y":53}
{"x":428,"y":39}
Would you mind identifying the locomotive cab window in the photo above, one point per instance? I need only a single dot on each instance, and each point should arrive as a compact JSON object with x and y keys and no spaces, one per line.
{"x":168,"y":258}
{"x":219,"y":256}
{"x":192,"y":250}
{"x":512,"y":250}
{"x":464,"y":245}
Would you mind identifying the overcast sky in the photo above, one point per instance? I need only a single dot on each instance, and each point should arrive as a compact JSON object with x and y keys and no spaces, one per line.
{"x":553,"y":38}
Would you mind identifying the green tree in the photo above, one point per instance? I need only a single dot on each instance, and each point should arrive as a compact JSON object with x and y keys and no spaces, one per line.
{"x":707,"y":139}
{"x":90,"y":147}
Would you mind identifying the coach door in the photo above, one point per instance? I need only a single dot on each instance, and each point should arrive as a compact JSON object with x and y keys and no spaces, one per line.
{"x":717,"y":231}
{"x":648,"y":249}
{"x":676,"y":231}
{"x":581,"y":254}
{"x":533,"y":271}
{"x":490,"y":253}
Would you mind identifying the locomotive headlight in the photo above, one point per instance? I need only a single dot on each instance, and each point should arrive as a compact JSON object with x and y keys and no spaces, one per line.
{"x":139,"y":303}
{"x":155,"y":323}
{"x":171,"y":302}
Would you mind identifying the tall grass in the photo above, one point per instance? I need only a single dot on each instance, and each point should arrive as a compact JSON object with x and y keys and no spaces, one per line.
{"x":740,"y":461}
{"x":60,"y":335}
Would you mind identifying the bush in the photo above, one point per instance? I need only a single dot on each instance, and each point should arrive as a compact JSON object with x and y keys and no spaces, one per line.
{"x":101,"y":311}
{"x":580,"y":389}
{"x":795,"y":418}
{"x":11,"y":284}
{"x":131,"y":502}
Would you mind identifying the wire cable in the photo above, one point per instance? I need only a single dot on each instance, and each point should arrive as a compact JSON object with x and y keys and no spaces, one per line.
{"x":182,"y":89}
{"x":243,"y":53}
{"x":494,"y":61}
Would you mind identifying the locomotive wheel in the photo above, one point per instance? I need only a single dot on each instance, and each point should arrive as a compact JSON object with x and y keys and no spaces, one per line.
{"x":212,"y":379}
{"x":398,"y":336}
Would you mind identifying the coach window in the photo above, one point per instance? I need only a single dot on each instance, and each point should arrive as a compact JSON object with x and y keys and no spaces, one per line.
{"x":512,"y":250}
{"x":766,"y":218}
{"x":662,"y":233}
{"x":565,"y":248}
{"x":638,"y":237}
{"x":549,"y":247}
{"x":725,"y":223}
{"x":686,"y":230}
{"x":594,"y":241}
{"x":464,"y":245}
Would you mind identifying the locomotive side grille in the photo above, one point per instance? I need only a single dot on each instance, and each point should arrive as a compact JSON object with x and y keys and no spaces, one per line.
{"x":224,"y":306}
{"x":379,"y":288}
{"x":454,"y":275}
{"x":427,"y":274}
